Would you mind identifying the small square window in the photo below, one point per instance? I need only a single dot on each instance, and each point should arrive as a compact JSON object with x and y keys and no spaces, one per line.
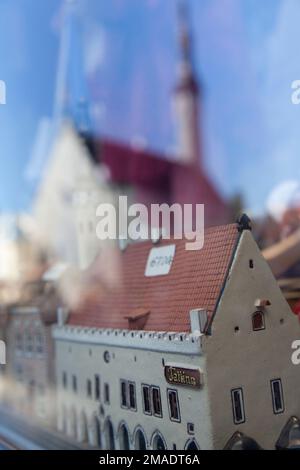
{"x":190,"y":428}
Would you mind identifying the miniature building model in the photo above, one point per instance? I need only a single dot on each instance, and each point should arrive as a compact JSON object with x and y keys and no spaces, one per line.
{"x":190,"y":349}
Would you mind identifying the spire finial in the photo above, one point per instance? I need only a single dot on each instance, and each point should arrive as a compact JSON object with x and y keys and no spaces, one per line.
{"x":184,"y":32}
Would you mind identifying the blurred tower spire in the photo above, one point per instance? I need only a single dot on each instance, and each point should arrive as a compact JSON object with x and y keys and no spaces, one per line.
{"x":71,"y":96}
{"x":187,"y":92}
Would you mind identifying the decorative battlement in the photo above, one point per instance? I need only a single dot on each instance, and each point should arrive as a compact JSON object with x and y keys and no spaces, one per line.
{"x":181,"y":343}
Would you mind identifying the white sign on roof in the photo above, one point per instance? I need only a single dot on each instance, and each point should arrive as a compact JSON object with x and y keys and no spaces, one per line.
{"x":159,"y":261}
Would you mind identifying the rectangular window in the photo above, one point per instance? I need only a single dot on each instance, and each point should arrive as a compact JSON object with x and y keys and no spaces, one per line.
{"x":106,"y":394}
{"x":39,"y":339}
{"x":74,"y":383}
{"x":97,"y":387}
{"x":89,"y":388}
{"x":156,"y":402}
{"x":173,"y":405}
{"x":238,"y":405}
{"x":64,"y":379}
{"x":132,"y":397}
{"x":277,"y":396}
{"x":29,"y":342}
{"x":124,"y":394}
{"x":19,"y":342}
{"x":146,"y":399}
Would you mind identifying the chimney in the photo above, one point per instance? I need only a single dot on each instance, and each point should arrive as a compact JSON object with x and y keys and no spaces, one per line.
{"x":198,"y":319}
{"x":62,"y":316}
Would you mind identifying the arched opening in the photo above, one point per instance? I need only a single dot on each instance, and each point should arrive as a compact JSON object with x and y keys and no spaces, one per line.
{"x":82,"y":428}
{"x":109,"y":435}
{"x":140,"y":440}
{"x":124,"y":438}
{"x":72,"y":423}
{"x":98,"y":437}
{"x":64,"y":420}
{"x":95,"y":437}
{"x":158,"y":442}
{"x":192,"y":445}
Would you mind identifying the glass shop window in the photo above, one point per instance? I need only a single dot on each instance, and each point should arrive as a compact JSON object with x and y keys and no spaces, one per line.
{"x":124,"y":394}
{"x":106,"y":394}
{"x":173,"y":405}
{"x":258,"y":321}
{"x":277,"y":396}
{"x":74,"y":383}
{"x":64,"y":379}
{"x":89,"y":388}
{"x":146,"y":399}
{"x":132,"y":396}
{"x":238,"y":405}
{"x":97,"y":387}
{"x":156,"y":401}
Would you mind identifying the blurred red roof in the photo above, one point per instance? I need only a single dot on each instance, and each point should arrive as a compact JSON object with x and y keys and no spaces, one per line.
{"x":161,"y":180}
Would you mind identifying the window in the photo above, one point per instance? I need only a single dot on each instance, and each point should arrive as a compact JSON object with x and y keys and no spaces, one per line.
{"x":39,"y":340}
{"x":106,"y":394}
{"x":238,"y":406}
{"x":124,"y":438}
{"x":29,"y":340}
{"x":173,"y":405}
{"x":74,"y":383}
{"x":19,"y":342}
{"x":190,"y":428}
{"x":158,"y":443}
{"x":124,"y":394}
{"x":132,"y":397}
{"x":128,"y":395}
{"x":157,"y":411}
{"x":64,"y":379}
{"x":97,"y":387}
{"x":258,"y":321}
{"x":146,"y":399}
{"x":277,"y":396}
{"x":140,"y":440}
{"x":89,"y":388}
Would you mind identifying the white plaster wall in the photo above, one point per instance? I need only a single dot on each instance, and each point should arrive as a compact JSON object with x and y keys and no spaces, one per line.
{"x":140,"y":366}
{"x":250,"y":359}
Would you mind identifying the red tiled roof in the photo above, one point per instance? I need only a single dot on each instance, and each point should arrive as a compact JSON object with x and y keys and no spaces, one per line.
{"x":195,"y":280}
